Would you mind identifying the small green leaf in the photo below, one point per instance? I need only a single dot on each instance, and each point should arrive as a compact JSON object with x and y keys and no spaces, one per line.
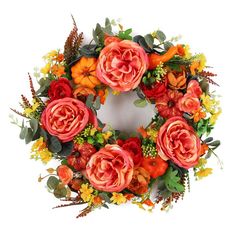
{"x":54,"y":144}
{"x":29,"y":136}
{"x":204,"y":86}
{"x":90,"y":140}
{"x":67,"y":149}
{"x":97,"y":103}
{"x":52,"y":182}
{"x":172,"y":181}
{"x":105,"y":197}
{"x":167,"y":45}
{"x":89,"y":101}
{"x":149,"y":40}
{"x":34,"y":125}
{"x":215,"y":143}
{"x":160,"y":36}
{"x":207,"y":140}
{"x":140,"y":103}
{"x":23,"y":132}
{"x":60,"y":192}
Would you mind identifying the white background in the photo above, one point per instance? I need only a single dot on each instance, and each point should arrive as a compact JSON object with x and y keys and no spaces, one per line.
{"x":29,"y":29}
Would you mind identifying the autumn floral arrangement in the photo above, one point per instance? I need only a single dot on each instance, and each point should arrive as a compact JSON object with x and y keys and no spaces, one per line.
{"x":97,"y":165}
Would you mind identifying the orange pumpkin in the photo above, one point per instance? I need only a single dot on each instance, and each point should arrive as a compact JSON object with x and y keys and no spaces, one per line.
{"x":84,"y":72}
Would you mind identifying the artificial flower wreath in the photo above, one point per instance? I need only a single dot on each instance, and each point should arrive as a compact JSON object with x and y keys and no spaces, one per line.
{"x":98,"y":165}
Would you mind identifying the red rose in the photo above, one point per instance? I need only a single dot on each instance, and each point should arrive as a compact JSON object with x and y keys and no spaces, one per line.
{"x":178,"y":142}
{"x":155,"y":91}
{"x":59,"y":89}
{"x":133,"y":146}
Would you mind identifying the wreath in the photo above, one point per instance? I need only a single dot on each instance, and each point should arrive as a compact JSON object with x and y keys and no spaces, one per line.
{"x":98,"y":165}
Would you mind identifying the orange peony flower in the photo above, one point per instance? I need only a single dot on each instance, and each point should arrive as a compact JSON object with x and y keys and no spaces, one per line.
{"x":177,"y":80}
{"x":84,"y":72}
{"x":140,"y":181}
{"x":58,"y":70}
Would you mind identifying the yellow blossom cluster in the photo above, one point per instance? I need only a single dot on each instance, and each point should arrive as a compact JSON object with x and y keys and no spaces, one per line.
{"x":201,"y":170}
{"x":39,"y":150}
{"x":30,"y":110}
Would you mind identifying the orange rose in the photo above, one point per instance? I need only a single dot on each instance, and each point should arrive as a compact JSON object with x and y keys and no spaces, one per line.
{"x":121,"y":65}
{"x":110,"y":169}
{"x":65,"y":174}
{"x":189,"y":103}
{"x":178,"y":142}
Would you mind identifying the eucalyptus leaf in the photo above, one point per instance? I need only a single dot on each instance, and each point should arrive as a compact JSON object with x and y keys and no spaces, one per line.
{"x":97,"y":103}
{"x":54,"y":145}
{"x":29,"y":136}
{"x":34,"y":125}
{"x":149,"y":40}
{"x":89,"y":100}
{"x":207,"y":140}
{"x":140,"y":103}
{"x":23,"y":132}
{"x":167,"y":45}
{"x":52,"y":182}
{"x":60,"y":192}
{"x":215,"y":143}
{"x":160,"y":35}
{"x":105,"y":197}
{"x":67,"y":149}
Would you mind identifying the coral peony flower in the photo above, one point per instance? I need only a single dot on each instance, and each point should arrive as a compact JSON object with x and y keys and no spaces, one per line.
{"x":111,"y":39}
{"x":140,"y":181}
{"x":110,"y":169}
{"x":133,"y":146}
{"x":155,"y":91}
{"x":167,"y":104}
{"x":84,"y":72}
{"x":189,"y":103}
{"x":178,"y":142}
{"x":59,"y":89}
{"x":65,"y":174}
{"x":194,"y":88}
{"x":66,"y":117}
{"x":121,"y":65}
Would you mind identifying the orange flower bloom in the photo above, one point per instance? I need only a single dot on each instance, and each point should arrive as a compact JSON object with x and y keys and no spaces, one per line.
{"x":84,"y":72}
{"x":129,"y":196}
{"x":194,"y":66}
{"x":58,"y":70}
{"x":180,"y":50}
{"x":142,"y":131}
{"x":177,"y":80}
{"x":60,"y":57}
{"x":148,"y":202}
{"x":97,"y":200}
{"x":140,"y":181}
{"x":198,"y":115}
{"x":204,"y":148}
{"x":103,"y":95}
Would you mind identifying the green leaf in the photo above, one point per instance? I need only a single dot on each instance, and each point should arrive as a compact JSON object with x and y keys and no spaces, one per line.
{"x":125,"y":34}
{"x":108,"y":27}
{"x":29,"y":136}
{"x":105,"y":197}
{"x":60,"y":192}
{"x":34,"y":125}
{"x":160,"y":36}
{"x":172,"y":181}
{"x":23,"y":132}
{"x":167,"y":45}
{"x":215,"y":143}
{"x":140,"y":103}
{"x":204,"y":86}
{"x":149,"y":40}
{"x":207,"y":140}
{"x":89,"y":101}
{"x":97,"y":103}
{"x":52,"y":182}
{"x":54,"y":145}
{"x":67,"y":149}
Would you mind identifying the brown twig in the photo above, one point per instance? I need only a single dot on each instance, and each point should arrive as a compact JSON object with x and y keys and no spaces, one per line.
{"x":19,"y":113}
